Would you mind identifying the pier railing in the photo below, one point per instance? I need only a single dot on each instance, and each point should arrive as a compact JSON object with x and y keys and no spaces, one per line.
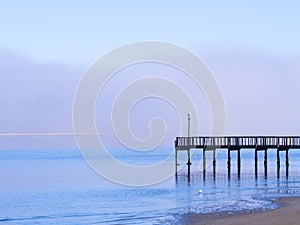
{"x":238,"y":141}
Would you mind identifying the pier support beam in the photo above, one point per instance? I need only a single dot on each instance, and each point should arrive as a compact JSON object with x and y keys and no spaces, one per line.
{"x":278,"y":163}
{"x":287,"y":163}
{"x":255,"y":162}
{"x":266,"y":163}
{"x":214,"y":163}
{"x":176,"y":163}
{"x":189,"y":163}
{"x":239,"y":162}
{"x":204,"y":163}
{"x":229,"y":163}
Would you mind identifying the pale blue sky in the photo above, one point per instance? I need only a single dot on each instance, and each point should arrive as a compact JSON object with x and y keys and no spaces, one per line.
{"x":80,"y":31}
{"x":252,"y":47}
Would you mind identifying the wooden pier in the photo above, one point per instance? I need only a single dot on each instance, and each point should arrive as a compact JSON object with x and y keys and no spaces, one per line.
{"x":237,"y":143}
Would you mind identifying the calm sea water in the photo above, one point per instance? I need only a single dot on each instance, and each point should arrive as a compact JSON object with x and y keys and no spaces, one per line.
{"x":57,"y":187}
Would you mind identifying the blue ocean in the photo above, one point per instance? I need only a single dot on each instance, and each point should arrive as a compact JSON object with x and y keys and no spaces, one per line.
{"x":58,"y":187}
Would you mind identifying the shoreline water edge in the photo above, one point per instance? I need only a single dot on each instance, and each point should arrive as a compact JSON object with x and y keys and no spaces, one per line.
{"x":287,"y":213}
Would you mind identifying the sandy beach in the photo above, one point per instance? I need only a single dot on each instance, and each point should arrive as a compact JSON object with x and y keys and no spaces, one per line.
{"x":287,"y":214}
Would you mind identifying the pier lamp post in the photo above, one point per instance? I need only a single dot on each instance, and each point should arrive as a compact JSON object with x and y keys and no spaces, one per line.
{"x":189,"y":124}
{"x":189,"y":154}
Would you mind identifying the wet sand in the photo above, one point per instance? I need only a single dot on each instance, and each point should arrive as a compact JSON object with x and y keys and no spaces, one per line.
{"x":287,"y":214}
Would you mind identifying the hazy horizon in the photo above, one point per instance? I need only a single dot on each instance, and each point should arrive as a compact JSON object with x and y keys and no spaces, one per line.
{"x":252,"y":49}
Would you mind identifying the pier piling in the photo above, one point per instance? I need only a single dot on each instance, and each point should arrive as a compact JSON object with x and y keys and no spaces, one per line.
{"x":278,"y":162}
{"x":266,"y":162}
{"x":239,"y":162}
{"x":255,"y":162}
{"x":214,"y":163}
{"x":229,"y":163}
{"x":204,"y":163}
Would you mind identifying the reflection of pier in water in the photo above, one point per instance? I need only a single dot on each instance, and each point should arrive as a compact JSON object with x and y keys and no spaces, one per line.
{"x":237,"y":143}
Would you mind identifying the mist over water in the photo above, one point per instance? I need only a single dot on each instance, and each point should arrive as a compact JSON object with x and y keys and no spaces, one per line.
{"x":58,"y":187}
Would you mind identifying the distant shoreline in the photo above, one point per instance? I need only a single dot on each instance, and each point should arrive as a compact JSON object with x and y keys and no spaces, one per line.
{"x":287,"y":214}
